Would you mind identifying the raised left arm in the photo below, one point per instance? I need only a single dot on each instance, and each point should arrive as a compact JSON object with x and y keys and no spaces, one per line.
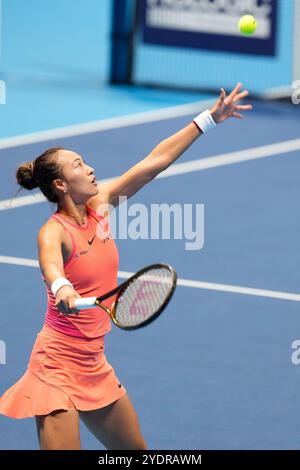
{"x":169,"y":150}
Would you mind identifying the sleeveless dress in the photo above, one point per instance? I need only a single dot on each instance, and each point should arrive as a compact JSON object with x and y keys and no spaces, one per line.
{"x":67,"y":366}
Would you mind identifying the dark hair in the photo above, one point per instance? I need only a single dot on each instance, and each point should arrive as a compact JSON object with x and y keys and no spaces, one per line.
{"x":40,"y":173}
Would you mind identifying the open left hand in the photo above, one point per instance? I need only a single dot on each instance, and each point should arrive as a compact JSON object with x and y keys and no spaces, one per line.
{"x":228,"y":106}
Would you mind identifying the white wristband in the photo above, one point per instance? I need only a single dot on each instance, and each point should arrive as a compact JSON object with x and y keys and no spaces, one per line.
{"x":204,"y":121}
{"x":58,"y":283}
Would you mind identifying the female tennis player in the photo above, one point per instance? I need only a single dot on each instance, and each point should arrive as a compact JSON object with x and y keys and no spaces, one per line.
{"x":68,"y":376}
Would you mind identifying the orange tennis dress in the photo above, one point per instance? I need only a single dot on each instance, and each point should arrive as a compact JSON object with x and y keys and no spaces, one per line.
{"x":67,"y":367}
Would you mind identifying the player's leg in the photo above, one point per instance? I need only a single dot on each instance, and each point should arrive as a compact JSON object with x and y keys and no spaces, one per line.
{"x":115,"y":425}
{"x":59,"y":430}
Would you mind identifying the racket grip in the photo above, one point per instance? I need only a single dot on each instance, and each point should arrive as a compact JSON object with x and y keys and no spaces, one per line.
{"x":85,"y":302}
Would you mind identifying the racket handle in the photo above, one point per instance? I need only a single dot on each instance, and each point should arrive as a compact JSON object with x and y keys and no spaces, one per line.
{"x":85,"y":302}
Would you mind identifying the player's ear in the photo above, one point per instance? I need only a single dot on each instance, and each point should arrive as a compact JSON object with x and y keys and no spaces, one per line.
{"x":60,"y":185}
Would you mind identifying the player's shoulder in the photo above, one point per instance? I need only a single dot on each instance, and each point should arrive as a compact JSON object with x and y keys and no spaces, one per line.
{"x":101,"y":202}
{"x":96,"y":202}
{"x":50,"y":230}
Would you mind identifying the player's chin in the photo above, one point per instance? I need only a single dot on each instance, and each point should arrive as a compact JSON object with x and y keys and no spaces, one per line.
{"x":93,"y":190}
{"x":96,"y":190}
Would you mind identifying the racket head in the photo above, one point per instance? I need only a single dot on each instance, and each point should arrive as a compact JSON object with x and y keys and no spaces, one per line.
{"x":124,"y":310}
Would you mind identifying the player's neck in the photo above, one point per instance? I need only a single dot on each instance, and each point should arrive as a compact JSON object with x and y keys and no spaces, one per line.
{"x":77,"y":212}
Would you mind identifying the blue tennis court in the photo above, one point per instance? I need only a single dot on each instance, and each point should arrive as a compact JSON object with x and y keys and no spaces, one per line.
{"x":218,"y":369}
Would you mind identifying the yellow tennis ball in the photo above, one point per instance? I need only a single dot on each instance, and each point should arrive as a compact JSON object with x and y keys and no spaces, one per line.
{"x":247,"y":25}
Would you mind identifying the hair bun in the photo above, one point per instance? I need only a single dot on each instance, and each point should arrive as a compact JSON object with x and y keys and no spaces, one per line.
{"x":24,"y":175}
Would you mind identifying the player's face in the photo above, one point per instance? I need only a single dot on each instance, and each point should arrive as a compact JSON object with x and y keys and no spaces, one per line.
{"x":79,"y":178}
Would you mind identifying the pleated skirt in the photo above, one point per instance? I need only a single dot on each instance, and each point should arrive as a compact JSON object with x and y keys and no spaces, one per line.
{"x":63,"y":372}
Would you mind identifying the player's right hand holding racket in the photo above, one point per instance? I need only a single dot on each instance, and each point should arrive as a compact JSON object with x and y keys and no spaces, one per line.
{"x":65,"y":300}
{"x":140,"y":299}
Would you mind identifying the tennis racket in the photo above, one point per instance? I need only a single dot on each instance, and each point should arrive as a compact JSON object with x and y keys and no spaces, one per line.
{"x":140,"y":299}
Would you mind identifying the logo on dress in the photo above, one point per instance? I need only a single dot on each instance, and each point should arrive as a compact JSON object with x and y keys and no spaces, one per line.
{"x":85,"y":252}
{"x":90,"y":242}
{"x":103,"y":231}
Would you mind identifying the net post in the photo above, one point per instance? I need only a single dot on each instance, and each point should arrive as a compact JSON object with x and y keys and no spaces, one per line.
{"x":122,"y":34}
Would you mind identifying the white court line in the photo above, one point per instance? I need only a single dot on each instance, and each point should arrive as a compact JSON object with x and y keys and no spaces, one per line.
{"x":232,"y":157}
{"x":106,"y":124}
{"x":182,"y":282}
{"x":36,"y":198}
{"x":19,"y":261}
{"x":200,"y":164}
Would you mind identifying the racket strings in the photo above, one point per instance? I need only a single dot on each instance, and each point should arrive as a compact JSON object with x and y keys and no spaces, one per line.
{"x":144,"y":297}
